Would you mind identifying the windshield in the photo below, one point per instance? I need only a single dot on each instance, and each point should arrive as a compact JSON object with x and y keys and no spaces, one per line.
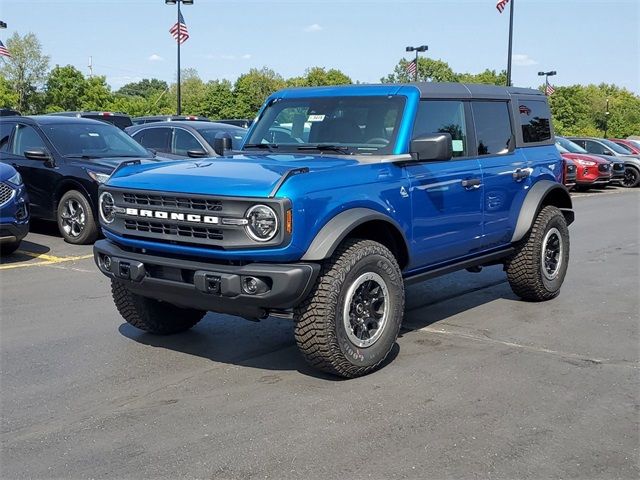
{"x":616,"y":148}
{"x":348,"y":125}
{"x":569,"y":146}
{"x":93,"y":140}
{"x":237,"y":135}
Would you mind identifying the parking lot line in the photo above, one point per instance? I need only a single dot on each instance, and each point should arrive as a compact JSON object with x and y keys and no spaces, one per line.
{"x":48,"y":260}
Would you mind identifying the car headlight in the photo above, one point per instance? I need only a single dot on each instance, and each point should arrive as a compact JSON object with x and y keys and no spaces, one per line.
{"x":585,"y":163}
{"x":106,"y":206}
{"x":16,"y":179}
{"x":98,"y":176}
{"x":262,"y":223}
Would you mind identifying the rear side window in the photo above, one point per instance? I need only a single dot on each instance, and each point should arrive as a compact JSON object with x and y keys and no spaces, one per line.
{"x":183,"y":141}
{"x":493,"y":127}
{"x":5,"y":134}
{"x":443,"y":116}
{"x":155,"y":138}
{"x":535,"y":119}
{"x":595,"y":147}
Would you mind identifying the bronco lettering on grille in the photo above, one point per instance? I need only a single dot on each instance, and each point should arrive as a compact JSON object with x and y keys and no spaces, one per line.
{"x":189,"y":217}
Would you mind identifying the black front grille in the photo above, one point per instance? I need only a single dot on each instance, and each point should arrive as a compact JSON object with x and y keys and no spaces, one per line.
{"x":174,"y":230}
{"x":6,"y":192}
{"x":604,"y":167}
{"x":168,"y":201}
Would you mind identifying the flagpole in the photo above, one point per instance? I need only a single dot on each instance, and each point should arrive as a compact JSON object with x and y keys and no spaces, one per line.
{"x":179,"y":109}
{"x":510,"y":42}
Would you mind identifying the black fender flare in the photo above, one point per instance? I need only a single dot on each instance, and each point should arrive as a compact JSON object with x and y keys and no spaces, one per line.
{"x":543,"y":192}
{"x":337,"y":229}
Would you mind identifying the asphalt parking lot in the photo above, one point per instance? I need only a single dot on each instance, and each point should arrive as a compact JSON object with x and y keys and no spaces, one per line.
{"x":481,"y":385}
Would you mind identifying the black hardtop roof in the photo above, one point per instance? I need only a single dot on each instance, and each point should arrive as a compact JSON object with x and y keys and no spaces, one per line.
{"x":88,"y":112}
{"x":470,"y":90}
{"x":51,"y":120}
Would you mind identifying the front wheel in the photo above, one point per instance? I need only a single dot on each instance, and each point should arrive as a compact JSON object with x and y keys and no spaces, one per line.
{"x":631,"y":177}
{"x":75,"y":219}
{"x":537,"y":269}
{"x":350,"y":321}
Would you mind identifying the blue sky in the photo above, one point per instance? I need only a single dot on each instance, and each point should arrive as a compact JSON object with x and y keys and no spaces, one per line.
{"x":586,"y":41}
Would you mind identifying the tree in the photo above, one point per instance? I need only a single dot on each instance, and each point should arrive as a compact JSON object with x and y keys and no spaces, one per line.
{"x":428,"y":70}
{"x":64,"y":89}
{"x":318,"y":76}
{"x":252,"y":89}
{"x":26,"y":69}
{"x":97,"y":95}
{"x":489,"y":77}
{"x":8,"y":96}
{"x":145,"y":88}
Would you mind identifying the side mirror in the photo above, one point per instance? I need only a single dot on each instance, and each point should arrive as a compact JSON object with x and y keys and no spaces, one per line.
{"x":432,"y":147}
{"x":197,"y":153}
{"x":608,"y":152}
{"x":37,"y":154}
{"x":222,"y":143}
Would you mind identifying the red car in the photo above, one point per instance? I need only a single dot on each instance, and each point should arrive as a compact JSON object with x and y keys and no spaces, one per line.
{"x":632,"y":145}
{"x":591,"y":171}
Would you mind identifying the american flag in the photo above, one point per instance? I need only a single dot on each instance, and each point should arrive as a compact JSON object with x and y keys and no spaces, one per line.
{"x":411,"y":68}
{"x":549,"y":89}
{"x":179,"y":30}
{"x":501,"y":5}
{"x":3,"y":51}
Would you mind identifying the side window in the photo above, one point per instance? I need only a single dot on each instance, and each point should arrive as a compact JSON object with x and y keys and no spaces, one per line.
{"x":155,"y":138}
{"x":535,"y":119}
{"x":595,"y":147}
{"x":26,"y":138}
{"x":580,"y":143}
{"x":5,"y":134}
{"x":443,"y":116}
{"x":493,"y":127}
{"x":184,"y":141}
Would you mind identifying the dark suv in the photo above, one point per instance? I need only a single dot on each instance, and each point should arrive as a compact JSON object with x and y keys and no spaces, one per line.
{"x":62,"y":160}
{"x":168,"y":118}
{"x":120,"y":120}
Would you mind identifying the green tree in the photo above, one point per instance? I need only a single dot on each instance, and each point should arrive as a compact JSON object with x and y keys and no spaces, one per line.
{"x":252,"y":89}
{"x":64,"y":89}
{"x":145,"y":88}
{"x":319,"y":76}
{"x":25,"y":70}
{"x":489,"y":77}
{"x":97,"y":94}
{"x":429,"y":70}
{"x":8,"y":96}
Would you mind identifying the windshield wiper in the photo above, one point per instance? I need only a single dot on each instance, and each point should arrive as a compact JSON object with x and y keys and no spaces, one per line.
{"x":332,"y":148}
{"x":266,"y":146}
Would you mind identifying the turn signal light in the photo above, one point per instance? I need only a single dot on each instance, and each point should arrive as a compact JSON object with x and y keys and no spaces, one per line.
{"x":288,"y":222}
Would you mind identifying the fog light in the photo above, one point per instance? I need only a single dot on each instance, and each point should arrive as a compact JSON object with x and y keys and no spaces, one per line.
{"x":106,"y":262}
{"x":253,"y":285}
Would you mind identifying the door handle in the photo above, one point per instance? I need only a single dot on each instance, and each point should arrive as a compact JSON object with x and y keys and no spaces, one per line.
{"x":471,"y":183}
{"x":522,"y":173}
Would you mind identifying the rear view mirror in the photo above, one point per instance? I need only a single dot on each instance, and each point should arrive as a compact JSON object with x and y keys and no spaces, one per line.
{"x":432,"y":147}
{"x":222,"y":143}
{"x":37,"y":154}
{"x":197,"y":153}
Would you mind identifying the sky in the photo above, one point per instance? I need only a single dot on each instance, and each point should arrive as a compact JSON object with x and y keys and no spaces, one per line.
{"x":585,"y":41}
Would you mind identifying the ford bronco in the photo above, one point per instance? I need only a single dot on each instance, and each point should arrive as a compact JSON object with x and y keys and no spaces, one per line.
{"x":339,"y":197}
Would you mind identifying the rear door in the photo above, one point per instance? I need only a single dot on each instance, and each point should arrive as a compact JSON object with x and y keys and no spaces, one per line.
{"x":446,"y":196}
{"x":154,"y":138}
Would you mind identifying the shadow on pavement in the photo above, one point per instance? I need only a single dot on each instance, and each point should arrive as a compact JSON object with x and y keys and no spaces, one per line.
{"x":34,"y":250}
{"x":44,"y":227}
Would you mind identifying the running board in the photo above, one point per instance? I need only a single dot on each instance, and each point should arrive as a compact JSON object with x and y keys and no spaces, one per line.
{"x":486,"y":259}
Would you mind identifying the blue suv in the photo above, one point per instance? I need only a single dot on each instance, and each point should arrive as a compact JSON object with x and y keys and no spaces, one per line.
{"x":340,"y":197}
{"x":14,"y":210}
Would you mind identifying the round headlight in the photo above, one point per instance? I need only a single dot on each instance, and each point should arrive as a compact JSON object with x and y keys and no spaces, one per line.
{"x":107,"y":207}
{"x":263,"y":223}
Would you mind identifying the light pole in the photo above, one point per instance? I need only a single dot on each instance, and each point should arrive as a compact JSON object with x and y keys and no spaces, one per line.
{"x":178,"y":2}
{"x":421,"y":48}
{"x":546,"y":76}
{"x":606,"y":119}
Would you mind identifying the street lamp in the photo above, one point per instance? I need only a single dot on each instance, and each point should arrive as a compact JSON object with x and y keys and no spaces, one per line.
{"x":606,"y":119}
{"x":3,"y":24}
{"x":421,"y":48}
{"x":546,"y":76}
{"x":178,"y":2}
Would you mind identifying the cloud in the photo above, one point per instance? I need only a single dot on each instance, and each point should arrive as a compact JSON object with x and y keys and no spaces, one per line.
{"x":246,"y":56}
{"x":523,"y":60}
{"x":228,"y":57}
{"x":313,"y":28}
{"x":155,"y":58}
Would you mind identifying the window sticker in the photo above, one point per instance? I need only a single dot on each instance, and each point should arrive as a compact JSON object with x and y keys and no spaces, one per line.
{"x":315,"y":118}
{"x":458,"y":145}
{"x":92,"y":134}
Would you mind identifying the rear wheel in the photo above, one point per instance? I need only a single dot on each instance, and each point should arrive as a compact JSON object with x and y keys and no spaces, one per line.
{"x":151,"y":315}
{"x":631,"y":177}
{"x":538,"y":268}
{"x":75,"y":219}
{"x":350,"y":321}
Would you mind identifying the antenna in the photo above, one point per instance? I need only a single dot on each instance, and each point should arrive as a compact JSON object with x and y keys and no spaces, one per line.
{"x":90,"y":67}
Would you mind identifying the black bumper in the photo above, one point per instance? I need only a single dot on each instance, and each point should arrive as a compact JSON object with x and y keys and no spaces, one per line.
{"x":13,"y":232}
{"x":207,"y":286}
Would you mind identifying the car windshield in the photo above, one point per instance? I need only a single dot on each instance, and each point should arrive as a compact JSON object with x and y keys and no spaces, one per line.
{"x":237,"y":135}
{"x":616,"y":148}
{"x":93,"y":140}
{"x":569,"y":146}
{"x":561,"y":149}
{"x":346,"y":125}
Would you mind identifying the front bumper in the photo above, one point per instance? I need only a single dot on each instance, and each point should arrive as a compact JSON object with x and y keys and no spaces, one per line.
{"x":13,"y":232}
{"x":204,"y":285}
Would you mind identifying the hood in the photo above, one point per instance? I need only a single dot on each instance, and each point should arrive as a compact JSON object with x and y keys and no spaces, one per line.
{"x":237,"y":175}
{"x":6,"y":172}
{"x":584,"y":156}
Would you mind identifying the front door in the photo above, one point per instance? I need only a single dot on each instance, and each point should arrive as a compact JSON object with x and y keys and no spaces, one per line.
{"x":446,"y":196}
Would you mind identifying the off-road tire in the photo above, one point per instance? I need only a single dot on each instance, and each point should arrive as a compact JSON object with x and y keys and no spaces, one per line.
{"x":90,"y":232}
{"x":8,"y":248}
{"x":525,"y":267}
{"x":631,"y":177}
{"x":151,"y":315}
{"x":320,"y":331}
